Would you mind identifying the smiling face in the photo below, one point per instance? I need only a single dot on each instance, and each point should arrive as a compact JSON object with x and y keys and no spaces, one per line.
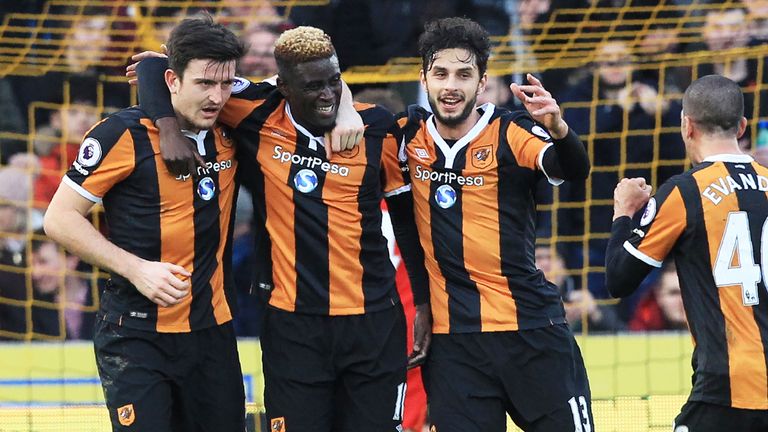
{"x":313,"y":89}
{"x":201,"y":93}
{"x":453,"y":82}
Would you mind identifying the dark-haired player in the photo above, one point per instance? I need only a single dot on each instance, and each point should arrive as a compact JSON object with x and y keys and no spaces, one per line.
{"x":333,"y":341}
{"x":501,"y":343}
{"x":165,"y":347}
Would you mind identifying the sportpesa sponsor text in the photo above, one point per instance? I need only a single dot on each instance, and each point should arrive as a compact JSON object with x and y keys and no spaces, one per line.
{"x":309,"y":162}
{"x":447,"y":177}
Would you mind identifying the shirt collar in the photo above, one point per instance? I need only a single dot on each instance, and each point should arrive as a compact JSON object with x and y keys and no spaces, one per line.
{"x":313,"y":140}
{"x":198,"y":138}
{"x":730,"y":157}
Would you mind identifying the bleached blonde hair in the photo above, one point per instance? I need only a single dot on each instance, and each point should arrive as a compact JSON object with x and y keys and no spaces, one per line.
{"x":303,"y":44}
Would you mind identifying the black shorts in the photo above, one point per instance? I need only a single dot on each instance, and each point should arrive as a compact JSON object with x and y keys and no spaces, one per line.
{"x":163,"y":382}
{"x":536,"y":376}
{"x":705,"y":417}
{"x":334,"y":373}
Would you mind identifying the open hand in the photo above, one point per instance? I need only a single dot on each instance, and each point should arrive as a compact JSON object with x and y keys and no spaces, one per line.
{"x":541,"y":106}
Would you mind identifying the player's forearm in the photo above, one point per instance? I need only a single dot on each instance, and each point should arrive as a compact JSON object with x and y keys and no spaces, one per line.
{"x":569,"y":161}
{"x":407,"y":236}
{"x":154,"y":97}
{"x":623,"y":272}
{"x":75,"y":233}
{"x":346,"y":104}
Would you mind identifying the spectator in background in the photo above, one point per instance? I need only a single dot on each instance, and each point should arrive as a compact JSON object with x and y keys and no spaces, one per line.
{"x":57,"y":143}
{"x":531,"y":32}
{"x":240,"y":15}
{"x":657,"y":45}
{"x":629,"y":115}
{"x":758,"y":20}
{"x":581,"y":310}
{"x":662,"y":306}
{"x":726,"y":34}
{"x":259,"y":61}
{"x":383,"y":96}
{"x":496,"y":92}
{"x":87,"y":43}
{"x":65,"y":293}
{"x":14,"y":202}
{"x":87,"y":48}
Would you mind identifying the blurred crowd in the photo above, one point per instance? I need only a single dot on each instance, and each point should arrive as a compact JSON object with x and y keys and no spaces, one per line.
{"x":624,"y":105}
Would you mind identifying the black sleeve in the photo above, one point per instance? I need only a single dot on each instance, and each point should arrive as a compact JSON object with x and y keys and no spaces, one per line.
{"x":571,"y":151}
{"x":154,"y":97}
{"x":623,"y":272}
{"x":407,"y":236}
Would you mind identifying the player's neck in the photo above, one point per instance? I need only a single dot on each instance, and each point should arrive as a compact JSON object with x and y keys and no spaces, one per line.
{"x":454,"y":132}
{"x":711,"y":146}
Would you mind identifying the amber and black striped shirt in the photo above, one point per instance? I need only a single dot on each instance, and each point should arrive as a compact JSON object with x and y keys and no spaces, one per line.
{"x":713,"y":220}
{"x":475,"y":210}
{"x":159,"y":217}
{"x":325,"y":248}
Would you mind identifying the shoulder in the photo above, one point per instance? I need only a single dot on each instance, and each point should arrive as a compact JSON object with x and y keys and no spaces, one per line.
{"x":413,"y":115}
{"x":245,"y":89}
{"x":115,"y":125}
{"x":522,"y":120}
{"x":377,"y":120}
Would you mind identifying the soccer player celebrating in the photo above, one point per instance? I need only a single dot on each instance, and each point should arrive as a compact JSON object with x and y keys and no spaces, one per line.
{"x":165,"y":347}
{"x":333,"y":341}
{"x":501,"y":342}
{"x":712,"y":220}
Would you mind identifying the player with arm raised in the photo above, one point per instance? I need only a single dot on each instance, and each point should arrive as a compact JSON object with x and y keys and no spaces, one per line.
{"x":712,"y":220}
{"x":501,"y":343}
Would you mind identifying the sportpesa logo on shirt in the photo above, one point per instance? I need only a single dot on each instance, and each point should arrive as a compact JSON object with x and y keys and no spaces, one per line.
{"x":445,"y":196}
{"x":447,"y":177}
{"x":206,"y":188}
{"x":305,"y":181}
{"x":311,"y":162}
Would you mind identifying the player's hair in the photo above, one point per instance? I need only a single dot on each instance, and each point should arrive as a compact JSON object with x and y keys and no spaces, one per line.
{"x":447,"y":33}
{"x":199,"y":37}
{"x":715,"y":103}
{"x":300,"y":45}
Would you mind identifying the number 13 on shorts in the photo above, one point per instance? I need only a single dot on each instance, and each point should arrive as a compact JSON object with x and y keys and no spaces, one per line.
{"x":579,"y":409}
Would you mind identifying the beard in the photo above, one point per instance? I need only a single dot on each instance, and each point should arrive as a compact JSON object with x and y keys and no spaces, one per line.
{"x":457,"y":118}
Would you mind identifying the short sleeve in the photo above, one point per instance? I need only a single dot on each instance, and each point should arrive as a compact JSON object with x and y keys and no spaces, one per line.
{"x":105,"y":158}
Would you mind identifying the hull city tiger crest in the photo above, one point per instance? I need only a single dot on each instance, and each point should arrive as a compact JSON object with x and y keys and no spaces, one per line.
{"x":277,"y":424}
{"x":350,"y":153}
{"x":482,"y":156}
{"x":126,"y":415}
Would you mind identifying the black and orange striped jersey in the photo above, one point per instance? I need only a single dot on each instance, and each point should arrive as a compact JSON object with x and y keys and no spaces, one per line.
{"x":713,"y":220}
{"x":325,"y":247}
{"x":160,"y":217}
{"x":475,"y":211}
